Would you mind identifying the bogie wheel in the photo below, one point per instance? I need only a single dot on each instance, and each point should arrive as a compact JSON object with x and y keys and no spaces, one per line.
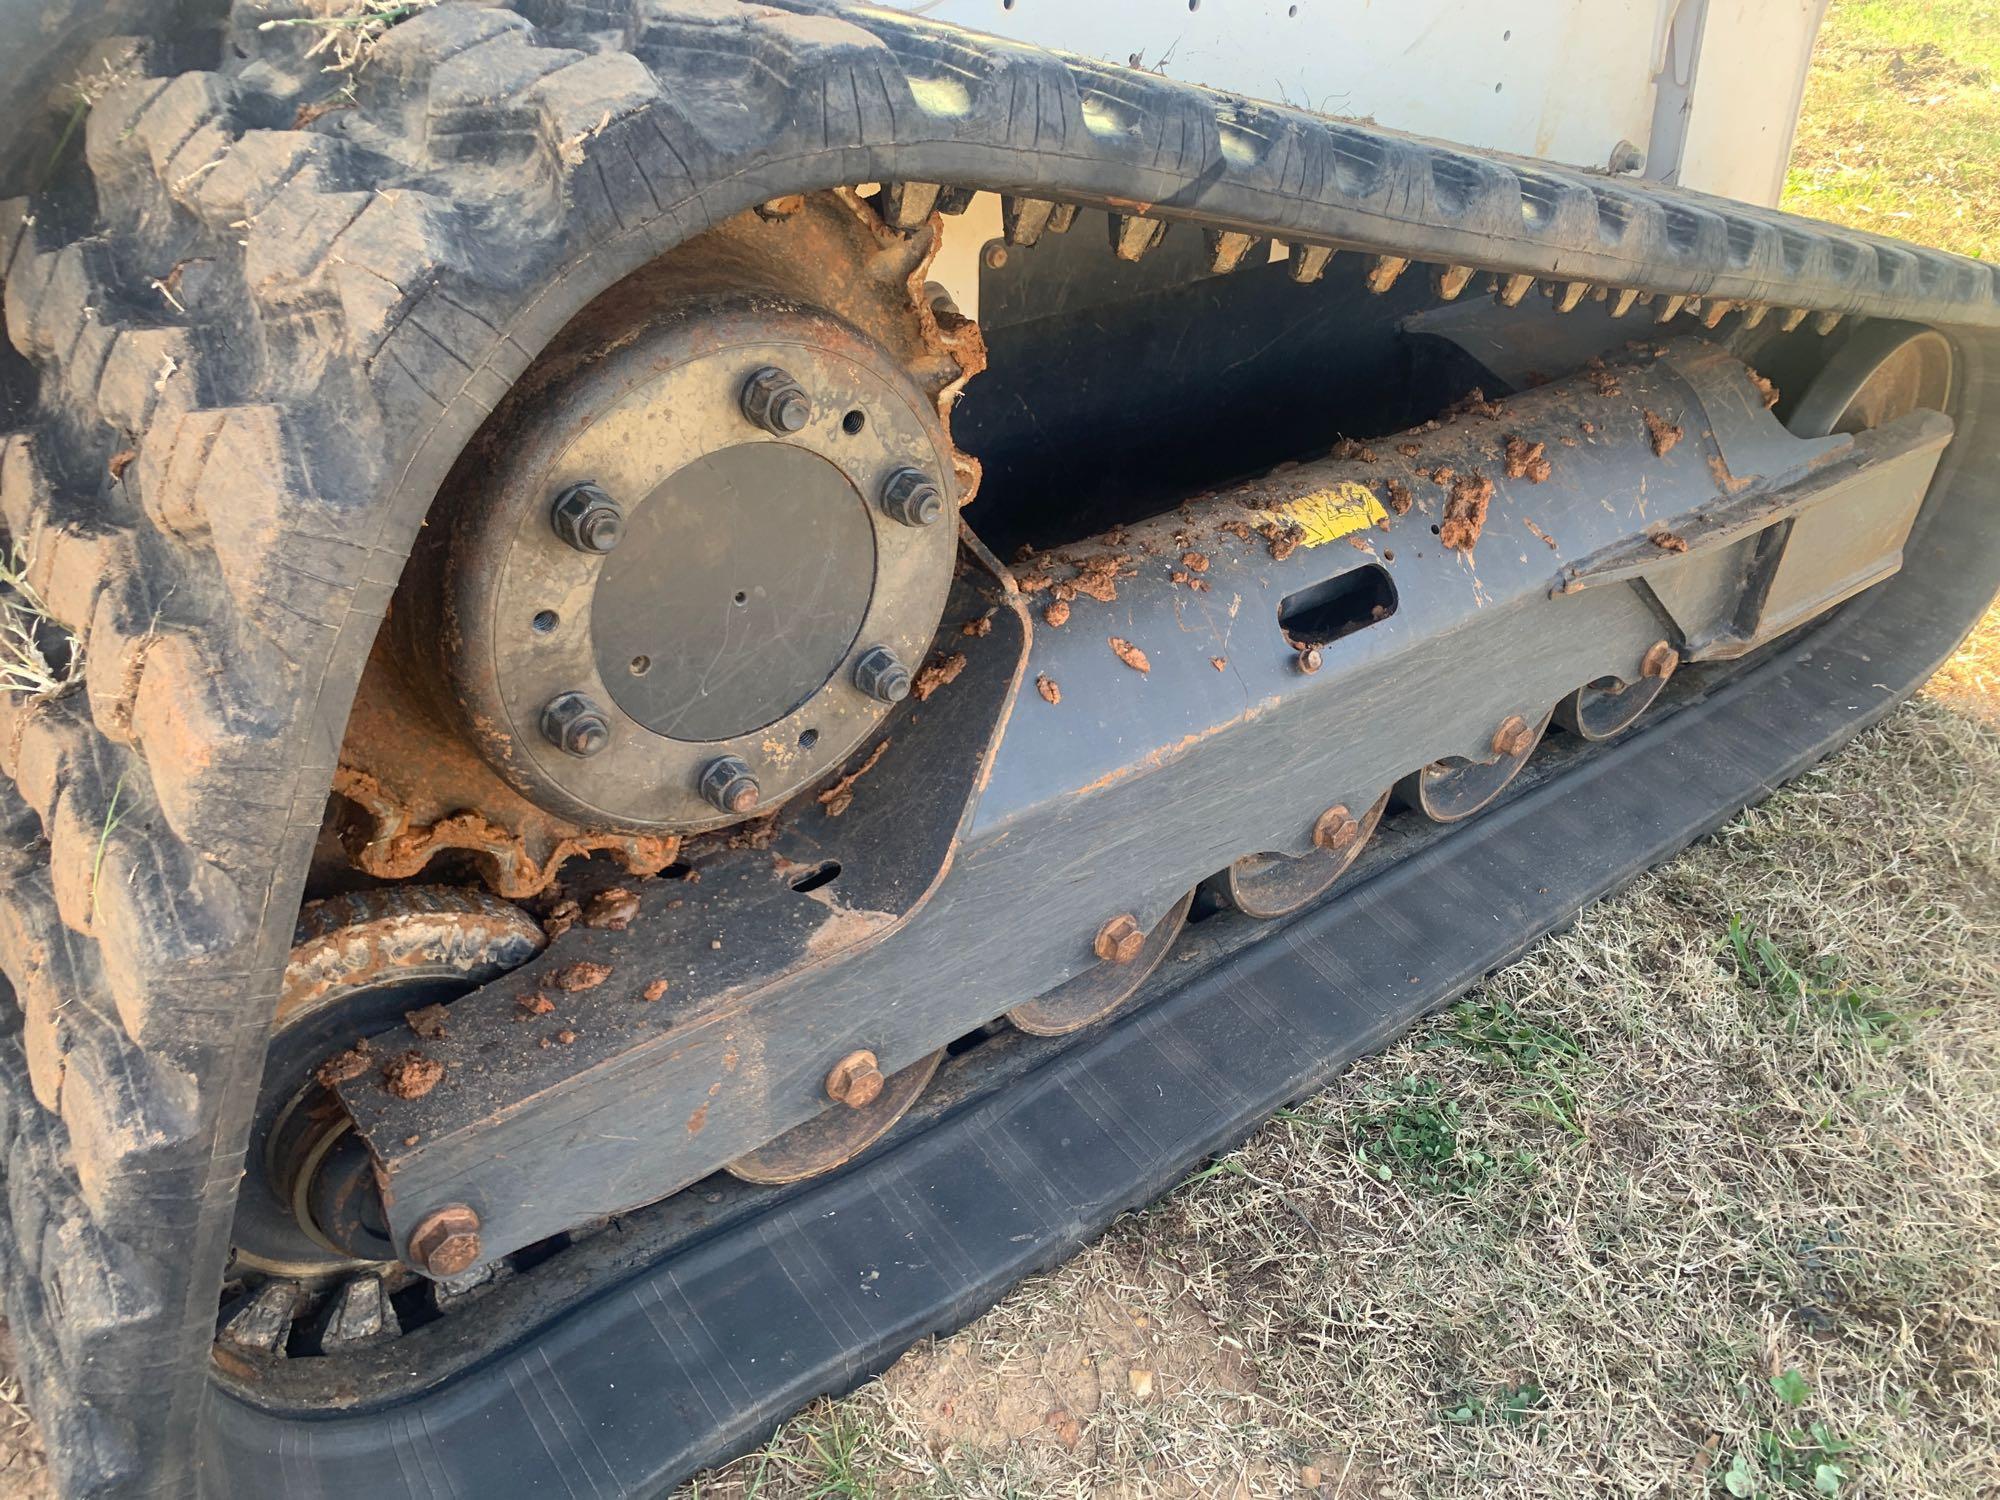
{"x":1447,"y":790}
{"x":1126,"y":957}
{"x":1276,"y":885}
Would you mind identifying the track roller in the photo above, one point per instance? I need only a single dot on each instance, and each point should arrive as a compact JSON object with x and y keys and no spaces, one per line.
{"x":1610,"y":705}
{"x":1121,"y":968}
{"x":866,"y":1104}
{"x":1276,"y":885}
{"x":1446,"y":790}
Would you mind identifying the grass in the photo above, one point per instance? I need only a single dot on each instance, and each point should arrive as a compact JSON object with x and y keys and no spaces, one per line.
{"x":1900,"y":133}
{"x":31,"y":665}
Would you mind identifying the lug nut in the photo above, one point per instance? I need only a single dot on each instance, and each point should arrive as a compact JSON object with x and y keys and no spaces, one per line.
{"x":575,"y":725}
{"x":909,"y":496}
{"x":880,"y":675}
{"x":1335,"y":829}
{"x":1515,"y":736}
{"x":776,"y":402}
{"x":728,"y":784}
{"x":856,"y":1080}
{"x":1120,"y":939}
{"x":587,"y":518}
{"x":1659,"y":661}
{"x":1308,"y":660}
{"x":445,"y":1241}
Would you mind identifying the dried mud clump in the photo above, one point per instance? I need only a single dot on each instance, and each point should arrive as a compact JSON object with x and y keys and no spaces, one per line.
{"x":1474,"y":404}
{"x":1400,"y":498}
{"x":1526,"y":460}
{"x":536,"y":1004}
{"x":1130,"y":654}
{"x":978,"y":626}
{"x":427,"y":1023}
{"x":654,"y":991}
{"x":942,"y":673}
{"x":837,"y":798}
{"x":582,"y":975}
{"x":412,"y":1075}
{"x":1666,"y":541}
{"x":342,"y":1066}
{"x":1604,"y":379}
{"x":1465,"y":511}
{"x":1046,"y":686}
{"x":1057,"y":614}
{"x":611,"y":910}
{"x":1283,"y":536}
{"x":1663,"y":433}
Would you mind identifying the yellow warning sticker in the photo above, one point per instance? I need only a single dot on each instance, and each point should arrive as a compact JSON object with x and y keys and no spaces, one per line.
{"x":1330,"y":514}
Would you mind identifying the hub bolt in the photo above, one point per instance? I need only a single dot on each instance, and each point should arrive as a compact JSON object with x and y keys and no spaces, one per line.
{"x":1120,"y":939}
{"x":1308,"y":660}
{"x":880,"y":675}
{"x":1335,"y":829}
{"x":856,"y":1080}
{"x":909,"y":496}
{"x":587,"y":518}
{"x":445,"y":1241}
{"x":776,"y":402}
{"x":1659,"y":661}
{"x":727,"y":783}
{"x":1515,"y":736}
{"x":575,"y":725}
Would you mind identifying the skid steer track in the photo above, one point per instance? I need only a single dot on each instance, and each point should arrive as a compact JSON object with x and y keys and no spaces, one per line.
{"x":257,"y":320}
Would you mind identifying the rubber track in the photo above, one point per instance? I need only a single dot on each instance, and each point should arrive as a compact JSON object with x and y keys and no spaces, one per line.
{"x":260,"y":352}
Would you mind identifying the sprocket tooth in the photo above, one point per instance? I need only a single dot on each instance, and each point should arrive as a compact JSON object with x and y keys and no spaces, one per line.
{"x":1309,"y":262}
{"x":1132,"y":235}
{"x":1384,"y":271}
{"x":1023,"y":220}
{"x":909,"y":205}
{"x":1228,"y":248}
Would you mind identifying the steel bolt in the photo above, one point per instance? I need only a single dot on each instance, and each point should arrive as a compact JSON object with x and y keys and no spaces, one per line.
{"x":1336,"y":828}
{"x":880,"y":675}
{"x":1308,"y":660}
{"x":1659,"y":661}
{"x":1515,"y":736}
{"x":575,"y":725}
{"x":587,"y":518}
{"x":1120,"y":939}
{"x":909,"y":496}
{"x":776,"y":402}
{"x":727,"y":783}
{"x":995,"y":257}
{"x":445,"y":1241}
{"x":856,"y":1080}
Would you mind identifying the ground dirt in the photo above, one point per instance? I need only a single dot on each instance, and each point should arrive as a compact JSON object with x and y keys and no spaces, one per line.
{"x":1597,"y":1229}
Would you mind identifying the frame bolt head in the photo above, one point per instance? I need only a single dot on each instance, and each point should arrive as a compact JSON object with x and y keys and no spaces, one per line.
{"x":856,"y":1080}
{"x":1308,"y":660}
{"x":1515,"y":736}
{"x":445,"y":1241}
{"x":880,"y":675}
{"x":1119,"y":940}
{"x":776,"y":402}
{"x":909,"y":496}
{"x":727,"y":783}
{"x":587,"y":518}
{"x":1336,"y":828}
{"x":575,"y":725}
{"x":1659,"y":661}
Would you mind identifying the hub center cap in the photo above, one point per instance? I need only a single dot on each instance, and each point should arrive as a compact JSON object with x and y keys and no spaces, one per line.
{"x":737,"y":592}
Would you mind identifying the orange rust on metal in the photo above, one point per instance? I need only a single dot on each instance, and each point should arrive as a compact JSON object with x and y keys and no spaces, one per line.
{"x":856,"y":1080}
{"x":1119,"y":940}
{"x":446,"y":1240}
{"x":1660,"y":660}
{"x":1515,"y":736}
{"x":1336,"y":828}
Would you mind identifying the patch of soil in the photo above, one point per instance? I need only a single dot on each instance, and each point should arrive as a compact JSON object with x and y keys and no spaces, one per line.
{"x":941,"y":673}
{"x":1526,"y":460}
{"x":1400,"y":498}
{"x":412,"y":1075}
{"x":427,"y":1023}
{"x":1130,"y":654}
{"x":1046,"y":686}
{"x":342,"y":1066}
{"x":582,"y":975}
{"x":1663,"y":433}
{"x":611,"y":910}
{"x":1465,"y":511}
{"x":1057,"y":614}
